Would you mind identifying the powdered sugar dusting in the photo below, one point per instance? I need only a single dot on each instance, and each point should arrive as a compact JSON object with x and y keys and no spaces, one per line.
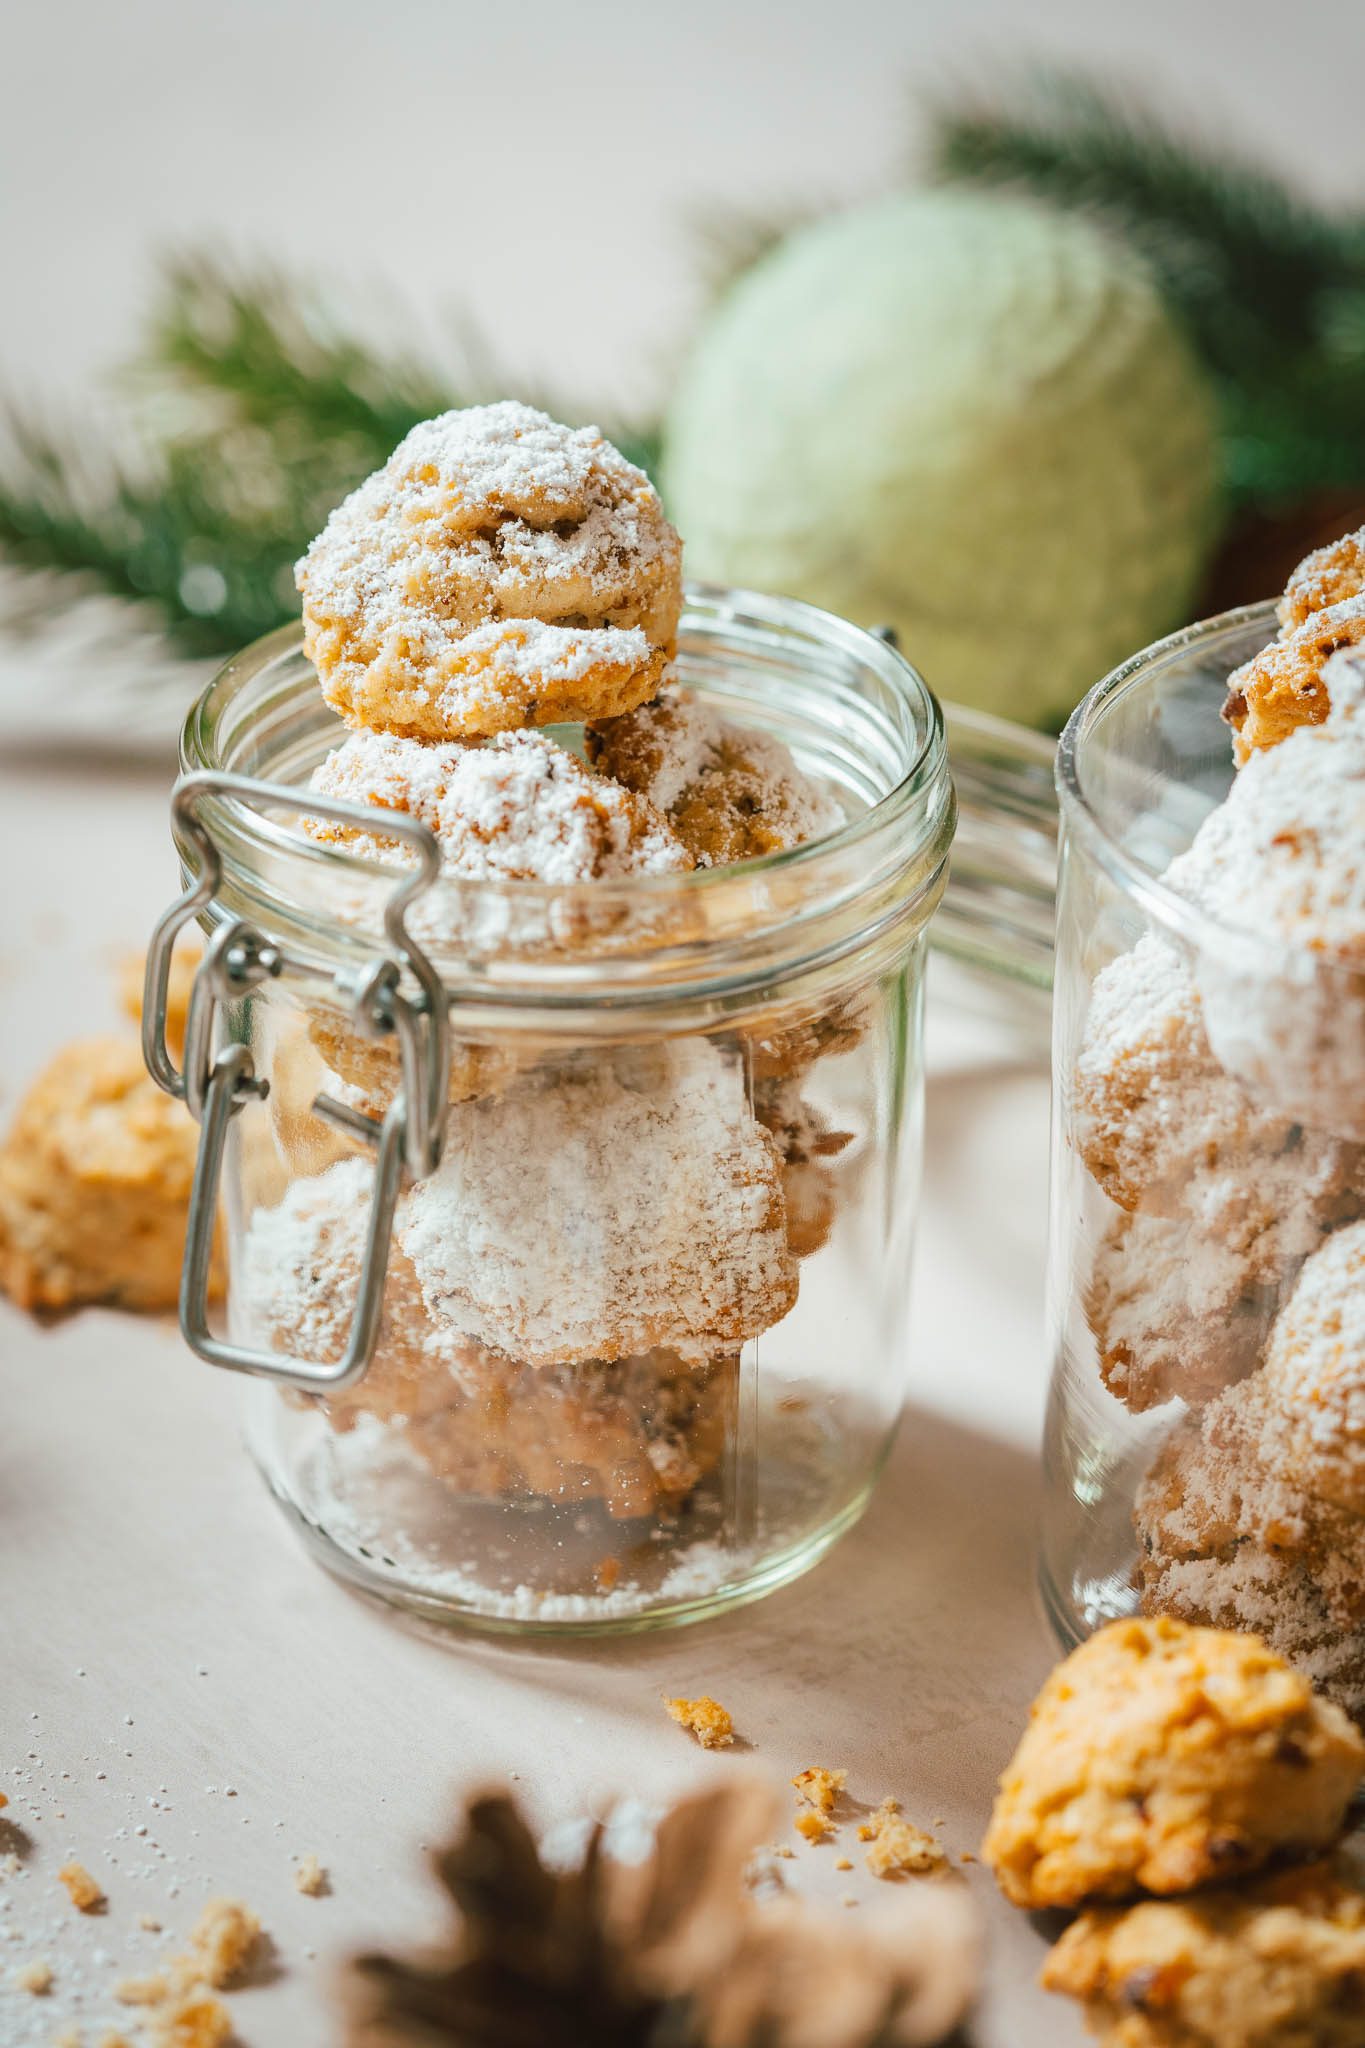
{"x":517,"y":809}
{"x":607,"y":1211}
{"x":496,"y":560}
{"x":731,"y":792}
{"x":1315,"y":1374}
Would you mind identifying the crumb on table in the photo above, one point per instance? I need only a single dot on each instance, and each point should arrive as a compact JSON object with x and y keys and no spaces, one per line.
{"x":81,"y":1888}
{"x":843,"y":1863}
{"x":35,"y":1978}
{"x":706,"y":1719}
{"x":309,"y":1876}
{"x":222,"y":1940}
{"x":152,"y":1990}
{"x":896,"y":1845}
{"x":820,"y":1787}
{"x":150,"y":1922}
{"x":813,"y":1824}
{"x":198,"y":2020}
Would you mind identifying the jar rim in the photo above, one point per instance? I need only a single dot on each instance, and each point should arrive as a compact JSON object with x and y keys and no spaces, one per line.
{"x":903,"y":834}
{"x":1166,"y":906}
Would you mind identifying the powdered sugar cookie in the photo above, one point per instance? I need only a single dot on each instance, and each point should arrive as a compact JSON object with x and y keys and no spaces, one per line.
{"x":1280,"y":868}
{"x":1315,"y":1375}
{"x":637,"y":1435}
{"x":1164,"y":1129}
{"x":729,"y":792}
{"x":500,"y":570}
{"x":1171,"y":1314}
{"x":1229,"y":1537}
{"x":1324,"y":579}
{"x":598,"y":1212}
{"x":519,"y":809}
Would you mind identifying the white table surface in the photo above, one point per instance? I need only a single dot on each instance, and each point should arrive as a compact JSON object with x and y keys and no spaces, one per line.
{"x":166,"y":1639}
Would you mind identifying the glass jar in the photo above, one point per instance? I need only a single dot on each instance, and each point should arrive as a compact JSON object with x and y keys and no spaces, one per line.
{"x":1207,"y":1127}
{"x":624,"y":1341}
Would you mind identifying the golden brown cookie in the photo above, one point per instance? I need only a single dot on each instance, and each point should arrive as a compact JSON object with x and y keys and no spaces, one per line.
{"x":94,"y":1184}
{"x":500,"y":570}
{"x":731,"y":793}
{"x":1282,"y":687}
{"x":1161,"y":1757}
{"x":1277,"y":1963}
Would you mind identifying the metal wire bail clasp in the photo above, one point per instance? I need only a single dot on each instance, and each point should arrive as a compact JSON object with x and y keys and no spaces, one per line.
{"x":217,"y":1081}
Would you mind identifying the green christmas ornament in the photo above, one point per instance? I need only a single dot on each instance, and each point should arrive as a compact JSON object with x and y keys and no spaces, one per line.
{"x":962,"y":415}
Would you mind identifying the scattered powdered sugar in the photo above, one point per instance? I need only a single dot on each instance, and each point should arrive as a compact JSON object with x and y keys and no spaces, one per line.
{"x":606,"y":1210}
{"x":518,"y":808}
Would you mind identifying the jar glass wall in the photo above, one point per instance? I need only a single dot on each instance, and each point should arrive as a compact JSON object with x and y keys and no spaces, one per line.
{"x":643,"y":1342}
{"x":1208,"y":1113}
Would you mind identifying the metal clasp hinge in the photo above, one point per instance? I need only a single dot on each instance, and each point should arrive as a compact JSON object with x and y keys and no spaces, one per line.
{"x":217,"y":1081}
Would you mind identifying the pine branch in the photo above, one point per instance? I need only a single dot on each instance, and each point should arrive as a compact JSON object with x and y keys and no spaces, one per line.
{"x":256,"y":413}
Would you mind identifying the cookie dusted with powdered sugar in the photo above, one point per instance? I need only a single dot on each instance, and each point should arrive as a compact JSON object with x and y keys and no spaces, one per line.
{"x":1288,"y":684}
{"x":520,"y":809}
{"x":499,"y":571}
{"x":637,"y":1434}
{"x":611,"y":1207}
{"x":729,"y":792}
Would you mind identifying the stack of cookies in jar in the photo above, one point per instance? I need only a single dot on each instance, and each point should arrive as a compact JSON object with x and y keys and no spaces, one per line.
{"x":569,"y":1293}
{"x":1218,"y":1101}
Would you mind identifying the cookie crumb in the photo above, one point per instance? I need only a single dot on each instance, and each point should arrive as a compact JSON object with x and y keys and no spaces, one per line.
{"x":843,"y":1863}
{"x":897,"y":1846}
{"x":81,"y":1888}
{"x":222,"y":1940}
{"x":150,"y":1922}
{"x":35,"y":1978}
{"x":69,"y":2039}
{"x":4,"y":1801}
{"x":785,"y":1849}
{"x":154,"y":1990}
{"x":813,"y":1824}
{"x":309,"y":1876}
{"x":819,"y":1786}
{"x":608,"y":1571}
{"x":706,"y":1719}
{"x":198,"y":2020}
{"x":848,"y":1900}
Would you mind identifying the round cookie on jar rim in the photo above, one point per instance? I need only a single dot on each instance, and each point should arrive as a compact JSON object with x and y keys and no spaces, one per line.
{"x":500,"y":570}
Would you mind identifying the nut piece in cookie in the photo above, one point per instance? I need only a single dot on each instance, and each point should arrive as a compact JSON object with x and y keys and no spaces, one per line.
{"x":94,"y":1184}
{"x":729,"y":792}
{"x":1277,"y":1963}
{"x":500,"y":570}
{"x":1160,"y":1757}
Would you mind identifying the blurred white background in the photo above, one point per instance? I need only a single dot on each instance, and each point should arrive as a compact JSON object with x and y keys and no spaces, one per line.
{"x":540,"y":165}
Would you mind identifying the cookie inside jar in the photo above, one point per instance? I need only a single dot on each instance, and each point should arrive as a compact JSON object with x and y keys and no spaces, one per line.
{"x":642,"y":1338}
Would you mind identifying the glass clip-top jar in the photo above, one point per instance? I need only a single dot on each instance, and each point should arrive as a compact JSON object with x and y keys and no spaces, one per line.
{"x":568,"y":1226}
